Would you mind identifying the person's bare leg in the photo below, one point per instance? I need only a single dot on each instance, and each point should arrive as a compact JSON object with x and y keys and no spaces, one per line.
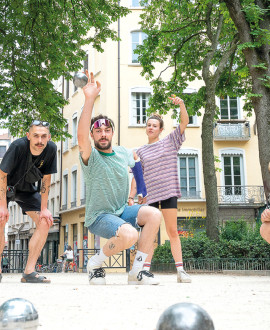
{"x":2,"y":241}
{"x":170,"y":218}
{"x":37,"y":241}
{"x":125,"y":237}
{"x":149,"y":218}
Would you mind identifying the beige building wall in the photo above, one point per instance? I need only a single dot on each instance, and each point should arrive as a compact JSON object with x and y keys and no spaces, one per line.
{"x":105,"y":68}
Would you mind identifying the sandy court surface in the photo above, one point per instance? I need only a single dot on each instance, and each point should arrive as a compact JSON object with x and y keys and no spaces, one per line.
{"x":69,"y":302}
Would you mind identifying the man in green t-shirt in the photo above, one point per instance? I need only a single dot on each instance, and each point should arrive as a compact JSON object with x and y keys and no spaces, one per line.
{"x":107,"y":214}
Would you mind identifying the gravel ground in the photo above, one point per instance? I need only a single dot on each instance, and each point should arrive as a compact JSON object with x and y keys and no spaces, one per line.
{"x":69,"y":302}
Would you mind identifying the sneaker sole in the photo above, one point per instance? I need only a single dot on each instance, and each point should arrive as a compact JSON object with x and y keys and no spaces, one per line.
{"x":136,"y":283}
{"x":183,"y":281}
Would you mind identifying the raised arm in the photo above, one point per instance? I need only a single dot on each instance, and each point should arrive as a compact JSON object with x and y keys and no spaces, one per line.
{"x":184,"y":118}
{"x":91,"y":91}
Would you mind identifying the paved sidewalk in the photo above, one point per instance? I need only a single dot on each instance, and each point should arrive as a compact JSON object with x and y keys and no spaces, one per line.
{"x":69,"y":302}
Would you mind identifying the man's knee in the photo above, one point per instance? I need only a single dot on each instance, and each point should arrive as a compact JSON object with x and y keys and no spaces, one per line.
{"x":127,"y":234}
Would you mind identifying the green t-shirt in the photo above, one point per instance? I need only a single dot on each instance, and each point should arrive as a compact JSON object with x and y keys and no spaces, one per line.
{"x":107,"y":182}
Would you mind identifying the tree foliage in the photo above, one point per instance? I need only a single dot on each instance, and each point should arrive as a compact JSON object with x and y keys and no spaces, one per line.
{"x":252,"y":20}
{"x":194,"y":40}
{"x":42,"y":40}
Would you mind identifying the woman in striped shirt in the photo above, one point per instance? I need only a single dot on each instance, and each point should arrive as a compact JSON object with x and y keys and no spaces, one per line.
{"x":159,"y":163}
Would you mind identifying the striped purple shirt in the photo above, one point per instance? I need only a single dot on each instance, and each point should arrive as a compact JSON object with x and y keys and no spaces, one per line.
{"x":159,"y":163}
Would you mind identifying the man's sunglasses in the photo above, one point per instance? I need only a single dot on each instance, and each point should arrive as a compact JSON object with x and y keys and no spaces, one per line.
{"x":39,"y":122}
{"x":98,"y":123}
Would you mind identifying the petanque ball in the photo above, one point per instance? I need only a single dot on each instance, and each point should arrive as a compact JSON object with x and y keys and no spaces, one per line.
{"x":18,"y":313}
{"x":185,"y":316}
{"x":80,"y":79}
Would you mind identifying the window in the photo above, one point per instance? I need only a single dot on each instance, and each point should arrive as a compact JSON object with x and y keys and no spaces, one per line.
{"x":232,"y":166}
{"x":65,"y":191}
{"x":74,"y":189}
{"x":67,"y":89}
{"x":189,"y":174}
{"x":74,"y":130}
{"x":65,"y":145}
{"x":137,"y":38}
{"x":3,"y":150}
{"x":52,"y":206}
{"x":135,"y":3}
{"x":139,"y":104}
{"x":83,"y":189}
{"x":229,"y":108}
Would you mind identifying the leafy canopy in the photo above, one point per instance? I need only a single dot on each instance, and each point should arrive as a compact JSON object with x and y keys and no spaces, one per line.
{"x":40,"y":41}
{"x":186,"y":37}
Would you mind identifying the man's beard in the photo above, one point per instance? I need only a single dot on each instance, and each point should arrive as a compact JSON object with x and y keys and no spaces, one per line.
{"x":98,"y":146}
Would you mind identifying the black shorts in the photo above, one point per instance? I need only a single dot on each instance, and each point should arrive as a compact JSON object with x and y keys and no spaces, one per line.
{"x":27,"y":201}
{"x":170,"y":203}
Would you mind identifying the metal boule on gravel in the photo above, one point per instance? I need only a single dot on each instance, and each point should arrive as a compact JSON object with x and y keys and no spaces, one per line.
{"x":18,"y":313}
{"x":185,"y":316}
{"x":80,"y":79}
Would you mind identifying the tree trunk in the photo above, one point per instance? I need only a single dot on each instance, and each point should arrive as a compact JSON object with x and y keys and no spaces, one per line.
{"x":209,"y":173}
{"x":254,"y":57}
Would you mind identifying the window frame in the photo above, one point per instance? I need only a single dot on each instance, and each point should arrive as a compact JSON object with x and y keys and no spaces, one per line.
{"x":239,"y":108}
{"x":190,"y":152}
{"x":131,"y":44}
{"x":133,"y":90}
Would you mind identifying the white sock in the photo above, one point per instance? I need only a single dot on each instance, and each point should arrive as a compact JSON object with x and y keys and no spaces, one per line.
{"x":138,"y":262}
{"x":97,"y":260}
{"x":179,"y":266}
{"x":147,"y":266}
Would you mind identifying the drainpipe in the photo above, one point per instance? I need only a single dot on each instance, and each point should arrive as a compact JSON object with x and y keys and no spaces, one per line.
{"x":118,"y":67}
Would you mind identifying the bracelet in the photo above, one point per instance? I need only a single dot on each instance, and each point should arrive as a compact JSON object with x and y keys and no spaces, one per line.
{"x":131,"y":198}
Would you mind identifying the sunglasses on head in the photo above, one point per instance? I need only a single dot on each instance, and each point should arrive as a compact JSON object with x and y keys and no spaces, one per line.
{"x":39,"y":122}
{"x":98,"y":123}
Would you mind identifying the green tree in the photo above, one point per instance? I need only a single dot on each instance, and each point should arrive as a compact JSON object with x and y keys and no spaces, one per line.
{"x":193,"y":40}
{"x":252,"y":20}
{"x":42,"y":40}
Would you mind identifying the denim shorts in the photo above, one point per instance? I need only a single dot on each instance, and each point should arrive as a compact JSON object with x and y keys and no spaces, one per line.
{"x":107,"y":224}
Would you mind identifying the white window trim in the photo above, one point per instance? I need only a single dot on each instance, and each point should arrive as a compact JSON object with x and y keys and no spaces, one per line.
{"x":74,"y":136}
{"x":239,"y":107}
{"x":233,"y":152}
{"x":192,"y":152}
{"x":134,"y":7}
{"x":66,"y":139}
{"x":74,"y":191}
{"x":137,"y":89}
{"x":82,"y":192}
{"x":65,"y":172}
{"x":130,"y":47}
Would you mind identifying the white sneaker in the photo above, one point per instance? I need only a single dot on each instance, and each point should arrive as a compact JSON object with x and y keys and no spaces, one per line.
{"x":183,"y":277}
{"x":97,"y":276}
{"x":144,"y":277}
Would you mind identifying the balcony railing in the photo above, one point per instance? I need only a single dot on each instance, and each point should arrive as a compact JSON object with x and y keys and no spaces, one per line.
{"x":190,"y":194}
{"x":241,"y":195}
{"x":232,"y":130}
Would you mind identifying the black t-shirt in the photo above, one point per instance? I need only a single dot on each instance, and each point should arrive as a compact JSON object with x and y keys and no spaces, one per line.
{"x":18,"y":161}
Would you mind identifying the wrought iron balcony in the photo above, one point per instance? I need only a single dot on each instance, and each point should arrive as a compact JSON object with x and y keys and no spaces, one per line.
{"x":190,"y":194}
{"x":241,"y":195}
{"x":232,"y":130}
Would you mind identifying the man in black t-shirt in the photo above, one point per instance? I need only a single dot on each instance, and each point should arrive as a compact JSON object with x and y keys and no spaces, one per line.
{"x":25,"y":177}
